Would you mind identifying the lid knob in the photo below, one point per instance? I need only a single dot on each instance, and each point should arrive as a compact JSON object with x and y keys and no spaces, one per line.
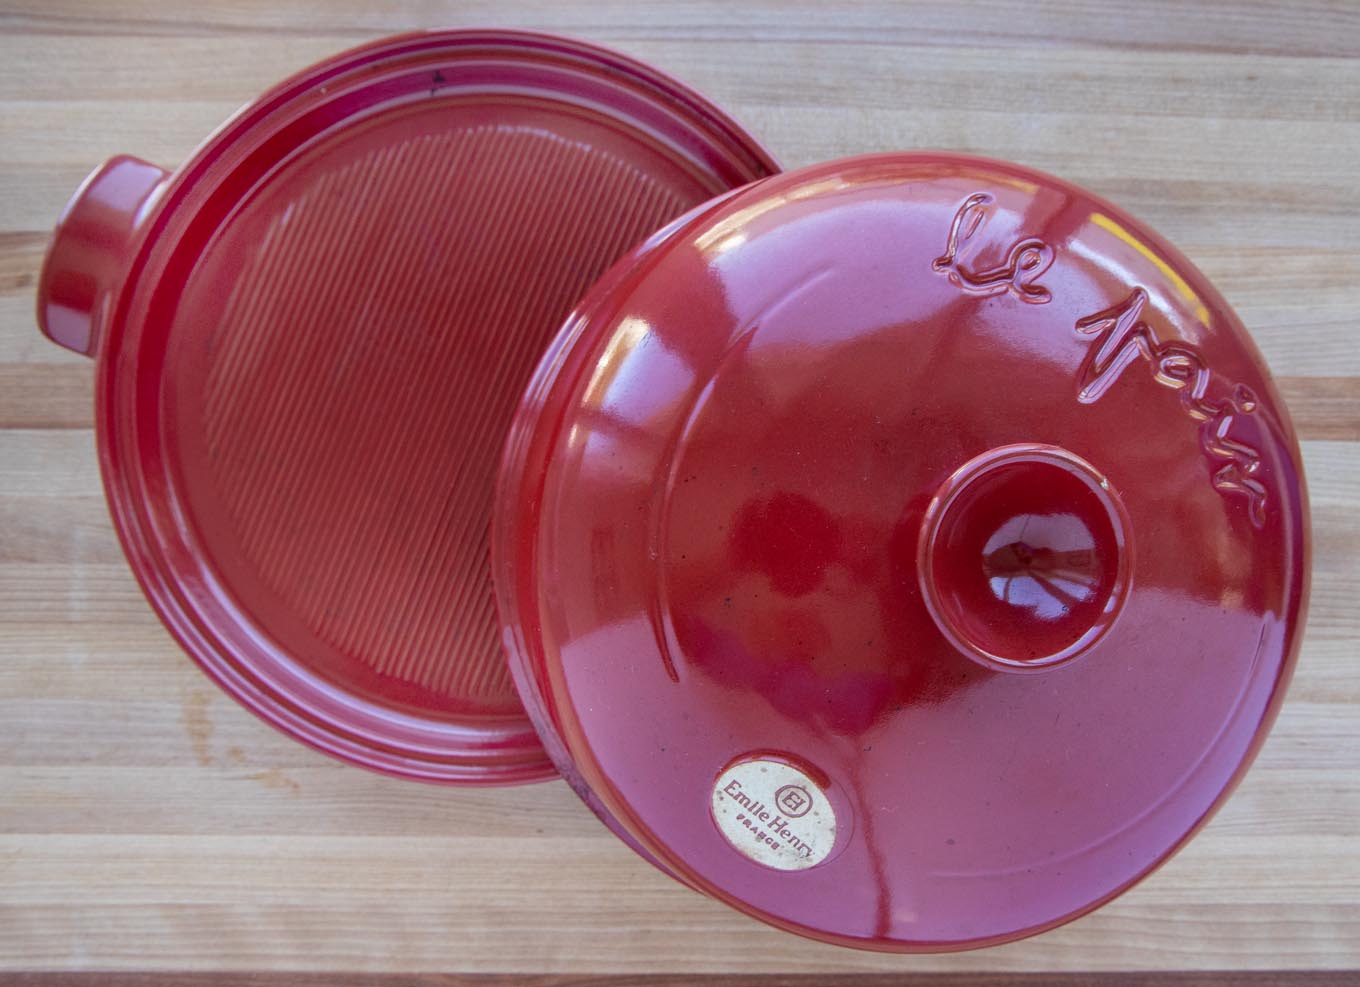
{"x":1023,"y":557}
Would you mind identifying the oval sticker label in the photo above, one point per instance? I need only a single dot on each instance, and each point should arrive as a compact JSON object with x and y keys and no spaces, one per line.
{"x":774,"y":814}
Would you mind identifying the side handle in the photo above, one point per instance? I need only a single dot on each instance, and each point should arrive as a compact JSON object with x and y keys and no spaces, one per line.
{"x":91,"y":249}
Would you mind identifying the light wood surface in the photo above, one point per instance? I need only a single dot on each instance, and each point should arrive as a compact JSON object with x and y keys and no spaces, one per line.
{"x":147,"y":822}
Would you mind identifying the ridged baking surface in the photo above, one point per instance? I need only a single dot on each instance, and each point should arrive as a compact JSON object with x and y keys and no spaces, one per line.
{"x":367,"y":363}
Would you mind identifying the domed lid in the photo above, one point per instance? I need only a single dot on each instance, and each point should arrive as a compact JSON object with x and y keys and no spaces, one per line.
{"x":312,"y":338}
{"x":909,"y":550}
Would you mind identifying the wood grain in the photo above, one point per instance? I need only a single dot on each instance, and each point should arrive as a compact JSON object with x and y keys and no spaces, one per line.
{"x":149,"y":824}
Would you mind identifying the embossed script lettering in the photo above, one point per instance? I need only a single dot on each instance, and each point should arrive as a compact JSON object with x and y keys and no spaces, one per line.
{"x":1122,"y":337}
{"x":1025,"y":260}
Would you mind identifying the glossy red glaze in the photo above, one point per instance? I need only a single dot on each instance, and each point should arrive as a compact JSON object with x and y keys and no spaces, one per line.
{"x":311,"y":338}
{"x":83,"y":270}
{"x":941,"y":481}
{"x":1023,"y":557}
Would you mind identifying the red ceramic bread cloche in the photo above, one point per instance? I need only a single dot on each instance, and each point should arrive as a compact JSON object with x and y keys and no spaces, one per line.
{"x":910,"y":550}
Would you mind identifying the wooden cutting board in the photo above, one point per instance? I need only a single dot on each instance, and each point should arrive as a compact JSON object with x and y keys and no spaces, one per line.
{"x":149,"y":823}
